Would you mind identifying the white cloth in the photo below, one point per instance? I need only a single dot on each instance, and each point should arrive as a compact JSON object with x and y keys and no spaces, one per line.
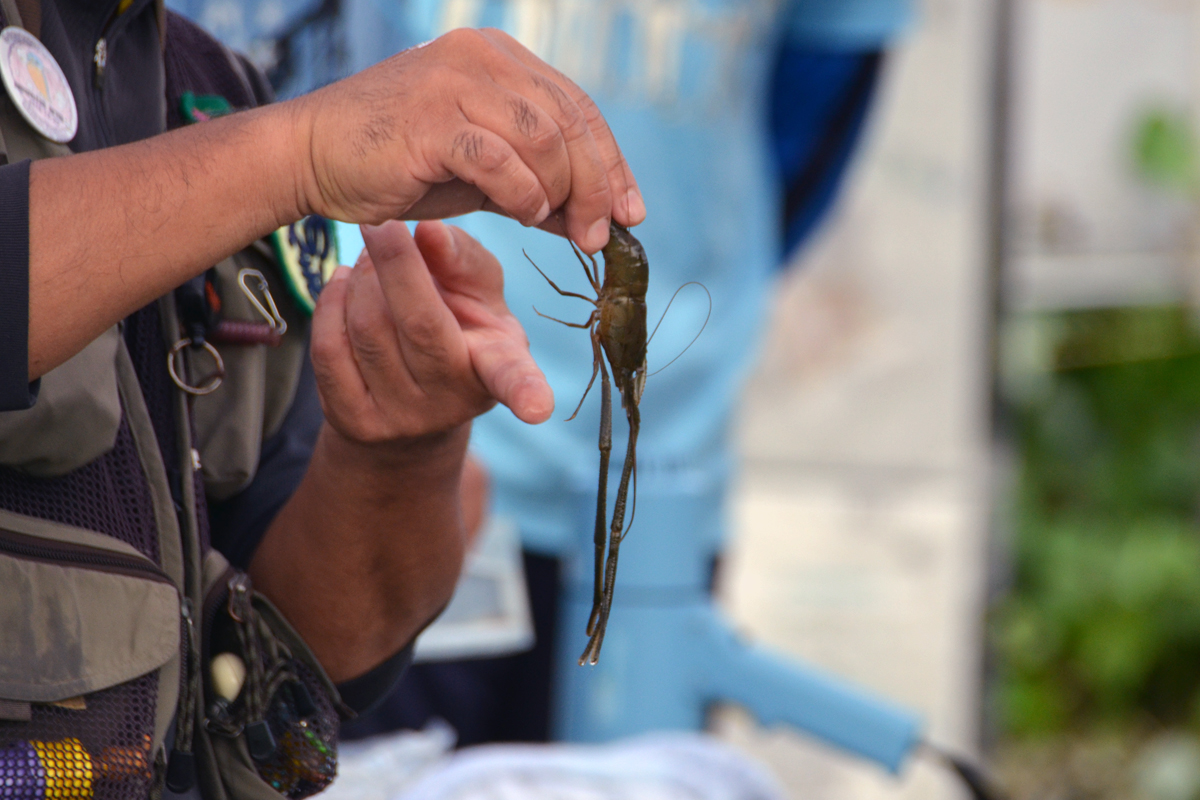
{"x":673,"y":766}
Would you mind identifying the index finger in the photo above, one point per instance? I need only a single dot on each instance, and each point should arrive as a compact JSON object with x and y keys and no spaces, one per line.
{"x":430,"y":339}
{"x":625,"y":199}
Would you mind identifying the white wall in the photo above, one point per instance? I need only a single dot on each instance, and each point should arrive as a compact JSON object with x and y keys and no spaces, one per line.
{"x":1088,"y":230}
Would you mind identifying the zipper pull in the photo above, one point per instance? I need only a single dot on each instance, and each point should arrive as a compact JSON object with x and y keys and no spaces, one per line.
{"x":181,"y":765}
{"x":260,"y":741}
{"x":100,"y":59}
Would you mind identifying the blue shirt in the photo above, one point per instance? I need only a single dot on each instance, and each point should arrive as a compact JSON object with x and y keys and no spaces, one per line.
{"x":683,"y":86}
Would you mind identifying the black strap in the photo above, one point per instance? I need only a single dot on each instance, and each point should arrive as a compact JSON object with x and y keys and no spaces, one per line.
{"x":16,"y":392}
{"x":199,"y":306}
{"x":362,"y":693}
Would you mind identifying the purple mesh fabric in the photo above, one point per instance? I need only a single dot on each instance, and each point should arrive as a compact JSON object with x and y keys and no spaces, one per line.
{"x":148,"y":351}
{"x":109,"y":495}
{"x":113,"y":732}
{"x":22,"y":775}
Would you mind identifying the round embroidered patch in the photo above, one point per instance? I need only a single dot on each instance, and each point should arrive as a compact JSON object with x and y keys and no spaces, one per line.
{"x":308,"y":255}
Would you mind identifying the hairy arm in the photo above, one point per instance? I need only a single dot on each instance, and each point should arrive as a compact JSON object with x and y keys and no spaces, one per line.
{"x":147,"y":216}
{"x":470,"y":121}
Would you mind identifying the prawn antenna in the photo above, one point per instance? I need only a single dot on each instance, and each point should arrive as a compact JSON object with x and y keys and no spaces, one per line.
{"x":664,"y":316}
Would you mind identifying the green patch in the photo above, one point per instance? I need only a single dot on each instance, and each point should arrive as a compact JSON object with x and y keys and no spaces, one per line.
{"x":308,"y":255}
{"x":200,"y":107}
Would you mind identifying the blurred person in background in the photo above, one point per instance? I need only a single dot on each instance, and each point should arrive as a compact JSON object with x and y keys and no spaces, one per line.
{"x":739,"y":117}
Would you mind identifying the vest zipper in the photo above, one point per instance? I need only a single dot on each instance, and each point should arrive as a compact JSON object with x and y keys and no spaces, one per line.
{"x":100,"y":67}
{"x":100,"y":59}
{"x":181,"y":764}
{"x":70,"y":554}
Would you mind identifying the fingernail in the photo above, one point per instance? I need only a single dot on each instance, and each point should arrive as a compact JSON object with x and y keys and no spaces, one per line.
{"x":542,"y":213}
{"x":536,"y":405}
{"x":341,"y":273}
{"x":597,"y":235}
{"x":634,"y":206}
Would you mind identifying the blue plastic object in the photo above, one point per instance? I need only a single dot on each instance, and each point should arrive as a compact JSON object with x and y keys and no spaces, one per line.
{"x":669,"y":653}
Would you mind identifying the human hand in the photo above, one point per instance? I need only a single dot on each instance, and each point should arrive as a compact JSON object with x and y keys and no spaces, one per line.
{"x":407,"y":347}
{"x":470,"y":121}
{"x":416,"y":340}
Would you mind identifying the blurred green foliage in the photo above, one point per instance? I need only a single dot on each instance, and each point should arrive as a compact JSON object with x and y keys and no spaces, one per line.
{"x":1164,"y":149}
{"x":1103,"y":624}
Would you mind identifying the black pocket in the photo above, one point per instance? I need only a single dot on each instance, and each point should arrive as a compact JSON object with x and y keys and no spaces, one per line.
{"x":278,"y":734}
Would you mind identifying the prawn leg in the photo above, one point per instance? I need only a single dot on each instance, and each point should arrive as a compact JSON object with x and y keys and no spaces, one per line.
{"x":554,"y":285}
{"x":584,"y":325}
{"x":597,"y":364}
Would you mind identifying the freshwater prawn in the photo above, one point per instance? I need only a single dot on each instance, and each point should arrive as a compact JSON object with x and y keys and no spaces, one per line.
{"x":618,"y":330}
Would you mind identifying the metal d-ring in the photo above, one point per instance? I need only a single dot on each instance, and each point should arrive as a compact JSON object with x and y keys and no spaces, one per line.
{"x":213,"y":381}
{"x":273,"y":318}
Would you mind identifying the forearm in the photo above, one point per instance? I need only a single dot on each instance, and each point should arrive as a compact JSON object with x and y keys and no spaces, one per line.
{"x":368,"y":549}
{"x":429,"y":132}
{"x":111,"y":230}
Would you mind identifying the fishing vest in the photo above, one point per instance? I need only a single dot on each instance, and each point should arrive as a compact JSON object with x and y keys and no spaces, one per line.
{"x":113,"y":606}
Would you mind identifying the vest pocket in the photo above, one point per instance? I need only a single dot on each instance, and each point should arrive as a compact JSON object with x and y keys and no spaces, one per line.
{"x":272,"y":732}
{"x":75,"y":418}
{"x":87,"y":624}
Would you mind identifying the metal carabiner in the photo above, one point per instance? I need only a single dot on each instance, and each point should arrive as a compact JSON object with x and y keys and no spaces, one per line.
{"x":213,"y":380}
{"x":273,"y":318}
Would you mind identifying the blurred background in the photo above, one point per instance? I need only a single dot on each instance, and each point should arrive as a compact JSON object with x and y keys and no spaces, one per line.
{"x":971,"y":450}
{"x":1000,"y":526}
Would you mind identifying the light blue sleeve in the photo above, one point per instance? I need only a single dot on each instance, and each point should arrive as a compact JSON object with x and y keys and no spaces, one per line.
{"x":349,"y":242}
{"x":858,"y":24}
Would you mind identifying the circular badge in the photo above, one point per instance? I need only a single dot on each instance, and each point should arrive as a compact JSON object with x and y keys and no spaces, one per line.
{"x":37,"y":85}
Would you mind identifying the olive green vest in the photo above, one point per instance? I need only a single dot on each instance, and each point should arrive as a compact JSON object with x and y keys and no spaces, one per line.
{"x":88,"y":621}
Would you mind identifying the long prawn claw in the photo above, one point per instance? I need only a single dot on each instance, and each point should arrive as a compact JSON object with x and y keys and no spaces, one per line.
{"x":599,"y":536}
